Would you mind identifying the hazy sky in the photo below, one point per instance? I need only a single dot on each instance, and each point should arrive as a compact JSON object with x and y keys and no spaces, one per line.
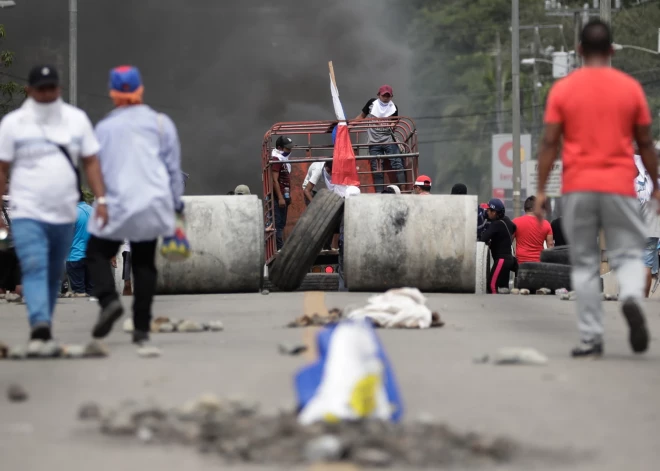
{"x":224,"y":71}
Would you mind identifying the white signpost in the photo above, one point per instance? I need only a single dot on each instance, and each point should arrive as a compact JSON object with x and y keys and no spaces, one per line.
{"x":553,"y":186}
{"x":502,"y":160}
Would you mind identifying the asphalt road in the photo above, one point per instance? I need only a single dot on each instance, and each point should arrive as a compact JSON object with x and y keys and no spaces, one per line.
{"x":599,"y":415}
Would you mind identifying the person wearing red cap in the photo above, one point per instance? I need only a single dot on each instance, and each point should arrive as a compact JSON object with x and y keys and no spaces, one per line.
{"x":381,"y":140}
{"x":141,"y":162}
{"x":422,"y":185}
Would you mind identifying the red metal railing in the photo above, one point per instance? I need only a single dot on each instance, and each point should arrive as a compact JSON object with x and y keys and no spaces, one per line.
{"x":314,"y":139}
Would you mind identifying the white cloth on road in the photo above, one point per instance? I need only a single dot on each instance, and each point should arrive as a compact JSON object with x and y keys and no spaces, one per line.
{"x":396,"y":308}
{"x":141,"y":163}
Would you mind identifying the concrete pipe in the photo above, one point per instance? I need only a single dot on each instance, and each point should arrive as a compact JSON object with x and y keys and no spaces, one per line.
{"x":226,"y":235}
{"x":426,"y":242}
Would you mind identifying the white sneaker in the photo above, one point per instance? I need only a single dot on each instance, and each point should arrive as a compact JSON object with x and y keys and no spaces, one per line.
{"x":92,"y":299}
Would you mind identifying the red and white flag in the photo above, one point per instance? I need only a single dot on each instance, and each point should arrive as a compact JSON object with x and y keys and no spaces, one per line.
{"x":344,"y":169}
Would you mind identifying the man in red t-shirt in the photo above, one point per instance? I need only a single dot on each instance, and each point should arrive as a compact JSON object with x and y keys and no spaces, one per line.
{"x":531,"y":234}
{"x":600,"y":111}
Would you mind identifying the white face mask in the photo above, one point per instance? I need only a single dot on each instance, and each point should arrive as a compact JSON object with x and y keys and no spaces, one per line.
{"x":47,"y":113}
{"x":382,"y":103}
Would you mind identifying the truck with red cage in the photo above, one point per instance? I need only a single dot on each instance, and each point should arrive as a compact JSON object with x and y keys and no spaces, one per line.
{"x":313,"y":143}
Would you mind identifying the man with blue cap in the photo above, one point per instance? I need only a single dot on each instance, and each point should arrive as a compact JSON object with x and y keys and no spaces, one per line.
{"x":141,"y":162}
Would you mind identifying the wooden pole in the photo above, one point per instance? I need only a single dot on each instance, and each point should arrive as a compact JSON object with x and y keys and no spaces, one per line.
{"x":332,"y":74}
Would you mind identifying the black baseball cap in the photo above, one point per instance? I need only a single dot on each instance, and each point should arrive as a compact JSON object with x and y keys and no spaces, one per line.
{"x":42,"y":76}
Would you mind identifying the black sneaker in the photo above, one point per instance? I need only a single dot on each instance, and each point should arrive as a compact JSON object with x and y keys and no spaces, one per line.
{"x":107,"y":318}
{"x":588,"y":350}
{"x":639,"y":335}
{"x":140,"y":338}
{"x":41,"y":331}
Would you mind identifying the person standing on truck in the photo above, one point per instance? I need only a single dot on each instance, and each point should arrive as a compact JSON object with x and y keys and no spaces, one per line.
{"x":281,"y":174}
{"x":422,"y":185}
{"x":499,"y":236}
{"x":644,"y":187}
{"x":381,"y":140}
{"x":318,"y":174}
{"x":530,"y":234}
{"x":597,"y":112}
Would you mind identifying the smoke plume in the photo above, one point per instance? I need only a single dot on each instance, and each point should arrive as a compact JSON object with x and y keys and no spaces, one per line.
{"x":224,"y":71}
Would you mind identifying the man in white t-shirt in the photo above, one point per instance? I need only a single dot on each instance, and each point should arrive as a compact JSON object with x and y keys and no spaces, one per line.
{"x":644,"y":188}
{"x":317,"y":175}
{"x":43,"y":141}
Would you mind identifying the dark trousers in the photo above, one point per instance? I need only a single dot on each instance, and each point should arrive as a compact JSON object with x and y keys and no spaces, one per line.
{"x":395,"y":162}
{"x":99,"y":253}
{"x":80,"y":280}
{"x":498,"y":277}
{"x":280,"y":224}
{"x":10,"y":270}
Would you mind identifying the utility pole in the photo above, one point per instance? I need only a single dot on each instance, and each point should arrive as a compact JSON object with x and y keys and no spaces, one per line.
{"x":576,"y":38}
{"x":515,"y":99}
{"x":498,"y":84}
{"x":606,"y":15}
{"x":73,"y":52}
{"x":535,"y":110}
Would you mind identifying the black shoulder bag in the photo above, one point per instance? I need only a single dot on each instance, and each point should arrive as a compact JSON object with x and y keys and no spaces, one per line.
{"x":73,"y":166}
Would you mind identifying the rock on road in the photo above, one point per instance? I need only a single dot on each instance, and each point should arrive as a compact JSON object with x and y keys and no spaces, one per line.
{"x":605,"y":410}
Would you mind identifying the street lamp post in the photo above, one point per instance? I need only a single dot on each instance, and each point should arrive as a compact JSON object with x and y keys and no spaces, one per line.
{"x":73,"y":52}
{"x":515,"y":103}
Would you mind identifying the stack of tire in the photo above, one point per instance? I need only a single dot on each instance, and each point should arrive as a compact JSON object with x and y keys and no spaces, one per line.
{"x":290,"y":270}
{"x":553,"y":272}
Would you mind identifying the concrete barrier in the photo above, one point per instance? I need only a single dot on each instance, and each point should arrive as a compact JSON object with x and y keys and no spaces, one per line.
{"x":427,"y":242}
{"x":226,"y":234}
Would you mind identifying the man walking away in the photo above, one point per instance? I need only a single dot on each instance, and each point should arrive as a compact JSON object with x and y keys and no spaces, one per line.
{"x":281,"y":172}
{"x":459,"y":189}
{"x":644,"y":187}
{"x":599,"y":111}
{"x":422,"y":185}
{"x":43,"y":141}
{"x":530,"y":234}
{"x":381,"y":139}
{"x":80,"y":281}
{"x":148,"y":160}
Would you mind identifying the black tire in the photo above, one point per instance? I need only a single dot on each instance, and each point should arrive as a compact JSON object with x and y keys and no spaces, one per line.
{"x":313,"y":228}
{"x":312,"y":282}
{"x":556,"y":255}
{"x":533,"y":276}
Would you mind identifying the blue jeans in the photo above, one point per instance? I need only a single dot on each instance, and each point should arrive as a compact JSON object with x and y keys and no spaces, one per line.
{"x":395,"y":162}
{"x":42,"y":249}
{"x":280,"y":224}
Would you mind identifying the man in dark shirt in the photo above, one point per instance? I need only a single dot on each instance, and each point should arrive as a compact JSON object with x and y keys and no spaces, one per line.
{"x":381,"y":139}
{"x":557,"y":233}
{"x":281,"y":172}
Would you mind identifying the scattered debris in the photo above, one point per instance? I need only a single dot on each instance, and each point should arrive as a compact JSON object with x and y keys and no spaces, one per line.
{"x":334,"y":316}
{"x":265,"y":291}
{"x":503,"y":291}
{"x":216,"y":326}
{"x":4,"y":350}
{"x":570,"y":296}
{"x":544,"y":291}
{"x":17,"y":353}
{"x":73,"y":351}
{"x":96,"y":349}
{"x":610,"y":297}
{"x":524,"y":292}
{"x":13,"y":298}
{"x":128,"y":326}
{"x":16,"y":393}
{"x":89,"y":411}
{"x":234,"y":430}
{"x":167,"y":325}
{"x":519,"y":356}
{"x":149,"y":351}
{"x":515,"y":291}
{"x":50,"y":349}
{"x":561,"y":291}
{"x":296,"y":349}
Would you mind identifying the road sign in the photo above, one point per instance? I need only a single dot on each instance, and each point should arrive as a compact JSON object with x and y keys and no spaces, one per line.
{"x":502,"y":160}
{"x":553,"y":186}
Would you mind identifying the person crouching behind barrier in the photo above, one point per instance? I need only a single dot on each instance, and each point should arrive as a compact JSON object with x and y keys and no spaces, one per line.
{"x":499,"y":236}
{"x":150,"y":160}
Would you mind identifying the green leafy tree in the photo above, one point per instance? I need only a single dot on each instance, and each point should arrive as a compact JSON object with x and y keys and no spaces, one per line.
{"x":9,"y":89}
